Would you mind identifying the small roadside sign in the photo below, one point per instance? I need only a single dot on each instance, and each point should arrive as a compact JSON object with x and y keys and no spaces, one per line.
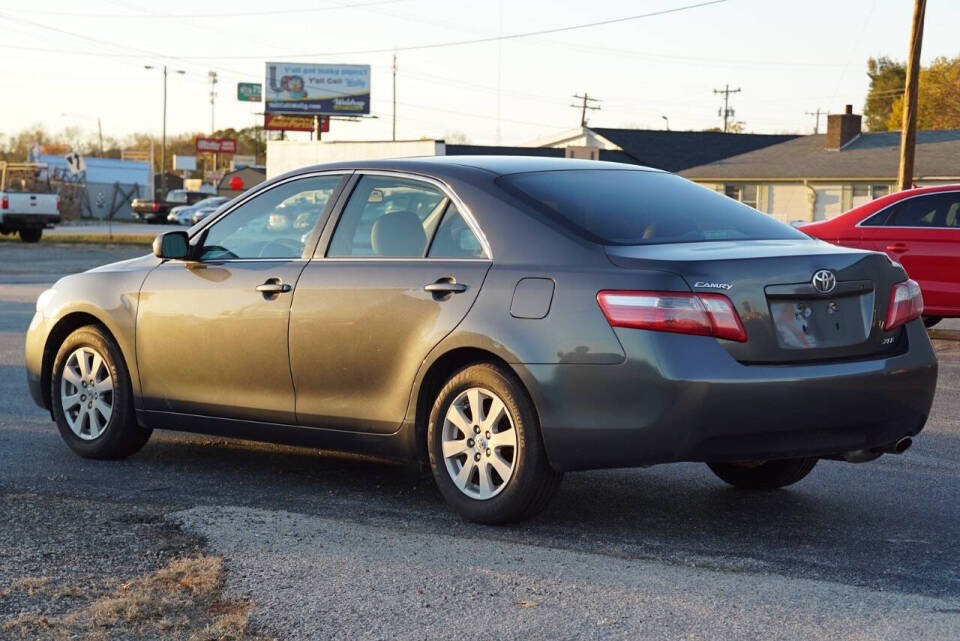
{"x":249,"y":91}
{"x":283,"y":122}
{"x":75,"y":163}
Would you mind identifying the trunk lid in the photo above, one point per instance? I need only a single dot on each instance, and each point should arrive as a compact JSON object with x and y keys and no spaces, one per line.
{"x":770,"y":282}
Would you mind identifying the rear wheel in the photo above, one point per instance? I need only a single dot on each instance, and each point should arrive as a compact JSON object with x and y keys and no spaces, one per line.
{"x":486,"y":452}
{"x":92,"y":398}
{"x":31,"y":234}
{"x":930,"y":321}
{"x":764,"y":475}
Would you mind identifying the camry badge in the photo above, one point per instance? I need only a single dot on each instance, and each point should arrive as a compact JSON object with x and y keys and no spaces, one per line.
{"x":824,"y":281}
{"x":700,"y":283}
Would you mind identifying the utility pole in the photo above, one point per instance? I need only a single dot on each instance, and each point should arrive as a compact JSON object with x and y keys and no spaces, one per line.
{"x":585,"y":105}
{"x":163,"y":141}
{"x":394,"y":97}
{"x":100,"y":135}
{"x":213,"y":94}
{"x":816,"y":126}
{"x":908,"y":133}
{"x":726,"y":113}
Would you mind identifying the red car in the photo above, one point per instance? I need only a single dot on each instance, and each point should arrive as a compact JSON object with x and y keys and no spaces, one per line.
{"x":918,"y":228}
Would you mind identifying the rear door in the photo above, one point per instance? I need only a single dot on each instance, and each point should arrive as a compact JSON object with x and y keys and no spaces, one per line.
{"x":212,"y":332}
{"x":404,"y":263}
{"x":922,"y":233}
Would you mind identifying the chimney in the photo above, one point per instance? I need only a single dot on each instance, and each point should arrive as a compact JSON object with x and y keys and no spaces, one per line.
{"x":842,"y":128}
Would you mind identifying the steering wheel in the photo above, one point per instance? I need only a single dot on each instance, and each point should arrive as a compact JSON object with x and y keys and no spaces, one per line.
{"x":289,"y":247}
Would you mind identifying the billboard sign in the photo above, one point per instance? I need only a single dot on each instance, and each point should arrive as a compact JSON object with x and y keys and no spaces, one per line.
{"x":278,"y":122}
{"x":249,"y":91}
{"x":216,"y":146}
{"x":298,"y":88}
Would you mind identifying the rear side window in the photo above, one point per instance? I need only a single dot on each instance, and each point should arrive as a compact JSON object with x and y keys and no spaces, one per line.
{"x":388,"y":217}
{"x":631,"y":207}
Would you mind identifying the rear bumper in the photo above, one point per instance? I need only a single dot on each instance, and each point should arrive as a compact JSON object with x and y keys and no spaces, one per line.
{"x":20,"y":221}
{"x":683,"y":398}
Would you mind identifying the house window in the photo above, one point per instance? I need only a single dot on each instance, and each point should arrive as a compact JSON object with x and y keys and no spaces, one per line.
{"x":876,"y":191}
{"x":747,"y":194}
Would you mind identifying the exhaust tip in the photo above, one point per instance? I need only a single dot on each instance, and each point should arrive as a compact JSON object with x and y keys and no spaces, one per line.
{"x":902,"y":445}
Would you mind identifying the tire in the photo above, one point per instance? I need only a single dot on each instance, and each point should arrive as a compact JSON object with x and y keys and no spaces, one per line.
{"x":89,"y":436}
{"x":31,"y":234}
{"x":930,"y":321}
{"x":767,"y":475}
{"x":530,"y":482}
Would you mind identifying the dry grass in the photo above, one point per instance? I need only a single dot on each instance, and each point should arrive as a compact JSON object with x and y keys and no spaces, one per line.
{"x":89,"y":239}
{"x":181,"y":601}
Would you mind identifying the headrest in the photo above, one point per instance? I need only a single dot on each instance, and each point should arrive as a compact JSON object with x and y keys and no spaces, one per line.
{"x":399,"y":233}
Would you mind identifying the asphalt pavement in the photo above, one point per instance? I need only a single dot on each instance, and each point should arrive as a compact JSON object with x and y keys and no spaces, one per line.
{"x":337,"y":546}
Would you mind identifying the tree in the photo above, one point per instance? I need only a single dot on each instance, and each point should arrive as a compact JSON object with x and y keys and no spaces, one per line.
{"x":938,"y":98}
{"x":887,"y":79}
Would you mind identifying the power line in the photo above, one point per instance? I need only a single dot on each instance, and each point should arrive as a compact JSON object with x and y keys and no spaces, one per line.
{"x":221,"y":15}
{"x":585,"y":105}
{"x":457,"y":43}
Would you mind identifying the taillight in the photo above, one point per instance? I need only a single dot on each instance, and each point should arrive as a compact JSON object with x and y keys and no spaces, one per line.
{"x":681,"y":312}
{"x":155,"y":207}
{"x":4,"y":203}
{"x":906,"y":304}
{"x":58,"y":203}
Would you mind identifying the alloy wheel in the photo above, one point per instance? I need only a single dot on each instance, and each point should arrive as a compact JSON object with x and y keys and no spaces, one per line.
{"x":479,"y":443}
{"x":86,"y":393}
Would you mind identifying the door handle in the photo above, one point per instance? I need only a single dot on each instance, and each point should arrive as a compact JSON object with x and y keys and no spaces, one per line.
{"x":273,"y":286}
{"x":897,"y":247}
{"x":445,"y":286}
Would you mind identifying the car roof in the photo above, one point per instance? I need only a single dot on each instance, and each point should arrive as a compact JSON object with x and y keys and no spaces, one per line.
{"x":500,"y":165}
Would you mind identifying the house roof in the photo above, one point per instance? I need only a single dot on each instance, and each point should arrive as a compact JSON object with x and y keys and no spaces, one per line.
{"x":870,"y":155}
{"x":678,"y":150}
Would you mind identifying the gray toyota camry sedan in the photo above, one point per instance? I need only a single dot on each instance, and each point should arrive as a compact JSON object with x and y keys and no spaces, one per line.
{"x":502,"y":319}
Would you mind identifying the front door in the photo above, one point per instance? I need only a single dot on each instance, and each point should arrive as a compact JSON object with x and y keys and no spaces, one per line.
{"x":402,"y":269}
{"x":212,"y":332}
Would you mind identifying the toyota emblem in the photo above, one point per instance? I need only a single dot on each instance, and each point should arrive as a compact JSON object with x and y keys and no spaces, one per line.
{"x":824,"y":281}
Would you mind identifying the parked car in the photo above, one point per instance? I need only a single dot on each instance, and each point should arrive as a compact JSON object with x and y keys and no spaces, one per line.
{"x":200,"y":213}
{"x":918,"y":228}
{"x":183,"y":215}
{"x":28,"y":203}
{"x":503,"y":319}
{"x":155,"y":211}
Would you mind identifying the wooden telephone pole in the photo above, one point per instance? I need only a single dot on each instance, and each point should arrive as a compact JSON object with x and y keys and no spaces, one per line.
{"x":908,"y":133}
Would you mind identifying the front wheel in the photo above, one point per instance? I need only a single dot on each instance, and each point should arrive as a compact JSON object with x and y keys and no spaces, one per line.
{"x":764,"y":475}
{"x":92,"y":398}
{"x":486,"y":451}
{"x":31,"y":234}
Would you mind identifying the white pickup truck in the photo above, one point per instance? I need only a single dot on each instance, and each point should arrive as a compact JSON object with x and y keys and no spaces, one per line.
{"x":28,"y":203}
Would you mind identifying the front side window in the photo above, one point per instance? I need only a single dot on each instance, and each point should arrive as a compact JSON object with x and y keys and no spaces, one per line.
{"x":274,"y":224}
{"x":635,"y":207}
{"x":923,"y":211}
{"x":388,"y":217}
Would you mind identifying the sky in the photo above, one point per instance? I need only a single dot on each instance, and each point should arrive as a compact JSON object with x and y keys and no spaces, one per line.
{"x":66,"y":63}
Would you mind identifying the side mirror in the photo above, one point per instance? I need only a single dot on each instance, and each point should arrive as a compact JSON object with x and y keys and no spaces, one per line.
{"x":172,"y":244}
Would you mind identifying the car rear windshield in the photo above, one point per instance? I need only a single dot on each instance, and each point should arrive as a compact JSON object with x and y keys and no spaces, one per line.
{"x":631,"y":207}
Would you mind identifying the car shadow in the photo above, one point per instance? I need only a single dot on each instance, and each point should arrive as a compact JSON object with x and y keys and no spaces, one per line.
{"x":876,"y":525}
